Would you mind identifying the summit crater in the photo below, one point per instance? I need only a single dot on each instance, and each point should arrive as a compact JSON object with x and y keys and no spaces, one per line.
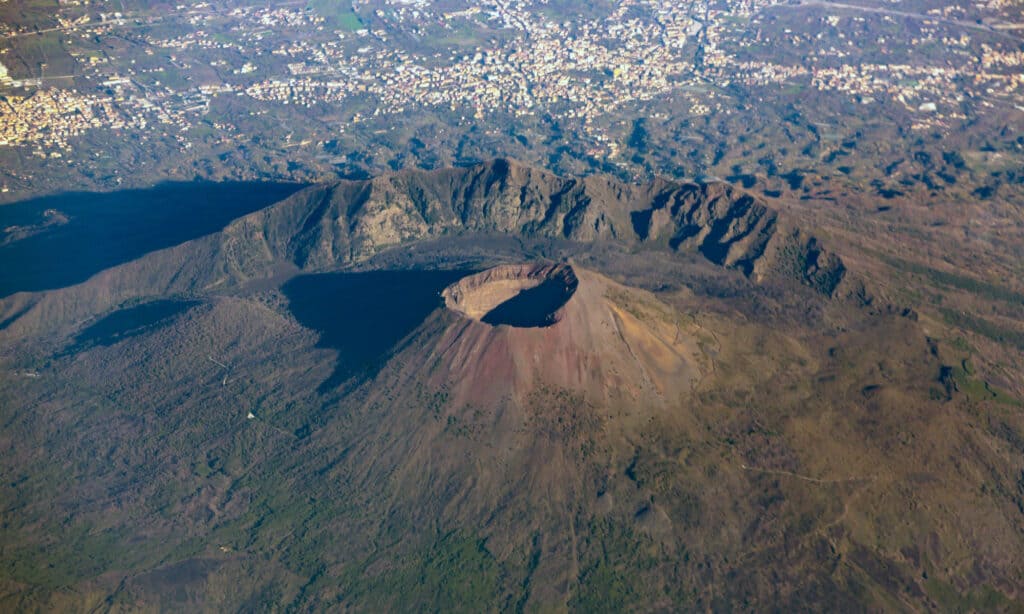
{"x":519,"y":295}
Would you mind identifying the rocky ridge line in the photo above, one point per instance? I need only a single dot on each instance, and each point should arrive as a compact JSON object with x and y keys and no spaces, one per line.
{"x":349,"y":221}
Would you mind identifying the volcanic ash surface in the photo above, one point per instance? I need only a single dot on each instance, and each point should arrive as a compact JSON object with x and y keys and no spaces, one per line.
{"x":526,"y":326}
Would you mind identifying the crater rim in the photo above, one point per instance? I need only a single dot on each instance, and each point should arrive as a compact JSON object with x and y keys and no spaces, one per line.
{"x":529,"y":295}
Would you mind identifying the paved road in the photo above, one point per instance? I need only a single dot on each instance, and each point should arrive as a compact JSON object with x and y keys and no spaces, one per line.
{"x":884,"y":11}
{"x":79,"y":27}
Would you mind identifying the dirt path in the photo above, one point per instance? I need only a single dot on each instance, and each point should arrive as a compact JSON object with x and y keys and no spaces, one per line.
{"x":805,"y":477}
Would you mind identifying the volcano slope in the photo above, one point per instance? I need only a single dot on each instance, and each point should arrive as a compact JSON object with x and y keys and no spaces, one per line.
{"x":492,"y":388}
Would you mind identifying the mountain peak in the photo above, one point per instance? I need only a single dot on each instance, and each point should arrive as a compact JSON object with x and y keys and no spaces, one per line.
{"x":514,"y":329}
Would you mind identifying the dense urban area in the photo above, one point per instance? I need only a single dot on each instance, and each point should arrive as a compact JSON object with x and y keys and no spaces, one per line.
{"x":310,"y":89}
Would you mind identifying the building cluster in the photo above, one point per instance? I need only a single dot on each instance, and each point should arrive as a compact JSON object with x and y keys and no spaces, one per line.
{"x":992,"y":58}
{"x":579,"y":69}
{"x":936,"y":90}
{"x":51,"y":118}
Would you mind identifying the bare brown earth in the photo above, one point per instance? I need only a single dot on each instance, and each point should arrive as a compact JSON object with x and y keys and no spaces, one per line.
{"x":608,"y":344}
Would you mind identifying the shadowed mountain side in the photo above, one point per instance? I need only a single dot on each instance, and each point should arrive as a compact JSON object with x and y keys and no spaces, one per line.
{"x":129,"y":322}
{"x":363,"y":315}
{"x":61,"y":240}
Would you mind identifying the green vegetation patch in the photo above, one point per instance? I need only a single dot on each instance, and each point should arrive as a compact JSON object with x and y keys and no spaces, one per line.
{"x":952,"y":599}
{"x":615,"y":561}
{"x":455,"y":573}
{"x":76,"y":554}
{"x":977,"y":389}
{"x":976,"y":287}
{"x":339,"y":15}
{"x":983,"y":327}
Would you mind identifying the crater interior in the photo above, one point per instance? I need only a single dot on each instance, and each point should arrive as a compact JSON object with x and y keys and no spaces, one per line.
{"x":519,"y":295}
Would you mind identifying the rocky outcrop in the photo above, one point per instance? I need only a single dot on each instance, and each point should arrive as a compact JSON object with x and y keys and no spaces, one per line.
{"x":349,"y":221}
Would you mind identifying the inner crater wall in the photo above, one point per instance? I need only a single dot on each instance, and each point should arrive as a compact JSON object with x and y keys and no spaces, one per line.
{"x":524,"y":295}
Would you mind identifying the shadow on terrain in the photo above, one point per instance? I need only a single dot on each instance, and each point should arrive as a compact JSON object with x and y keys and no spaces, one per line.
{"x":129,"y":322}
{"x":363,"y":315}
{"x":532,"y":308}
{"x":61,"y":240}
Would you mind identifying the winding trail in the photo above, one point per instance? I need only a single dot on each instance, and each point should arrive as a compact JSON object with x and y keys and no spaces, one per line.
{"x":807,"y":478}
{"x":991,"y":29}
